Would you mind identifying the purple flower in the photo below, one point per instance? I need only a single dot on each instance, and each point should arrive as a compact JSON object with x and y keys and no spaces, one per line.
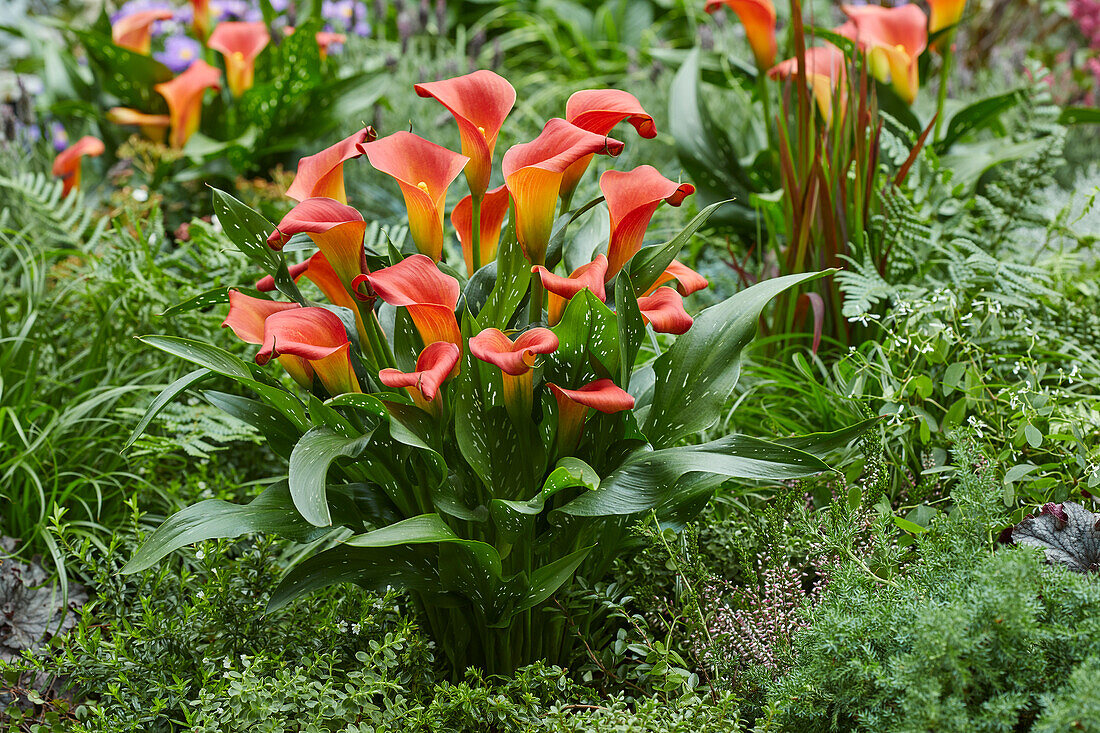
{"x":179,"y":52}
{"x":228,"y":9}
{"x":135,"y":6}
{"x":59,"y":137}
{"x":280,"y":6}
{"x":340,"y":12}
{"x":361,"y":28}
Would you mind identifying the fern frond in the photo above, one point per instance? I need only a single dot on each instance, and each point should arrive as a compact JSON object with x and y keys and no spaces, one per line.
{"x":32,"y":201}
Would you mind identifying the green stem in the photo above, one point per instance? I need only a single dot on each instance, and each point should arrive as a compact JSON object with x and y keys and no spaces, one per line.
{"x":765,"y":100}
{"x":536,"y":297}
{"x":475,"y":232}
{"x":945,"y":72}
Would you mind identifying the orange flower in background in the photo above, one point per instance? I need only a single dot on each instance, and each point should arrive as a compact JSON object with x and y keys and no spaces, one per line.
{"x":246,"y":318}
{"x":239,"y":44}
{"x":758,"y":17}
{"x":893,"y":39}
{"x":944,"y":13}
{"x":598,"y":111}
{"x":590,"y":276}
{"x":135,"y":31}
{"x":416,"y":284}
{"x":153,"y":127}
{"x":433,"y":366}
{"x":664,"y":310}
{"x":632,"y":198}
{"x":423,"y":170}
{"x":200,"y":18}
{"x":516,"y":359}
{"x":573,"y":405}
{"x":66,"y":165}
{"x":184,"y":97}
{"x":480,"y":102}
{"x":322,"y":175}
{"x":316,"y":335}
{"x":494,"y":208}
{"x":336,"y":229}
{"x":325,"y":39}
{"x":687,"y":280}
{"x":825,"y":71}
{"x":533,"y":173}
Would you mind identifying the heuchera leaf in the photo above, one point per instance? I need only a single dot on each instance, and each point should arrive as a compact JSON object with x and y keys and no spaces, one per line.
{"x":1068,"y":533}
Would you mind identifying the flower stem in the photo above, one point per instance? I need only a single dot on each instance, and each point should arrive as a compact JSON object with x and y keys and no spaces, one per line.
{"x":945,"y":72}
{"x":536,"y":298}
{"x":475,"y":232}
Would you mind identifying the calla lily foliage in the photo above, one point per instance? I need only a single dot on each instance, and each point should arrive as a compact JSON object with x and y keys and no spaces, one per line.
{"x":446,"y":432}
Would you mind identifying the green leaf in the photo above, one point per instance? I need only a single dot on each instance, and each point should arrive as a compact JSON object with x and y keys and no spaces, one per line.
{"x":279,"y":432}
{"x":650,"y":262}
{"x":170,"y":393}
{"x":1033,"y":436}
{"x":513,"y":278}
{"x":123,"y":73}
{"x":249,"y":231}
{"x":822,"y":444}
{"x":1018,"y":472}
{"x":910,"y":527}
{"x":631,"y":329}
{"x":203,"y":300}
{"x":695,"y":378}
{"x":515,"y":518}
{"x":976,"y":116}
{"x":309,"y":464}
{"x":1079,"y":116}
{"x":547,"y":579}
{"x":429,"y":529}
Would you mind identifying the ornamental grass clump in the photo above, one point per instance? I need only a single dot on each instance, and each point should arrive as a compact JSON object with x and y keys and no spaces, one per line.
{"x":478,"y":437}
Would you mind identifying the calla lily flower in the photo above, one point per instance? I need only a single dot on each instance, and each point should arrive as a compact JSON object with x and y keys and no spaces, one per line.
{"x":184,"y":97}
{"x":533,"y":173}
{"x":633,"y":197}
{"x":494,"y":208}
{"x":316,"y":335}
{"x":326,"y":39}
{"x":598,"y":111}
{"x":415,"y":283}
{"x":893,"y":39}
{"x":687,"y":280}
{"x":134,"y":31}
{"x":573,"y":405}
{"x":480,"y":102}
{"x":664,"y":310}
{"x":336,"y":229}
{"x":515,"y":360}
{"x":758,"y":17}
{"x":66,"y":165}
{"x":152,"y":126}
{"x":433,"y":367}
{"x":239,"y":43}
{"x":590,"y":276}
{"x":200,"y":18}
{"x":322,"y":175}
{"x":424,"y":170}
{"x":825,"y":71}
{"x":944,"y":13}
{"x":246,"y":318}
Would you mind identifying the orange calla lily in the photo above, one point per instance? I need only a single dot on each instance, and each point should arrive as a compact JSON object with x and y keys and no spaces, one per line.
{"x":664,"y":310}
{"x":893,"y":39}
{"x":480,"y":102}
{"x":415,"y":283}
{"x":515,"y":359}
{"x":336,"y":229}
{"x":825,"y":71}
{"x":533,"y":174}
{"x":246,"y":319}
{"x":316,"y":335}
{"x":494,"y":207}
{"x":590,"y":276}
{"x":423,"y":170}
{"x":632,"y":198}
{"x":687,"y":280}
{"x":325,"y":39}
{"x":239,"y":43}
{"x":200,"y":18}
{"x":184,"y":97}
{"x":322,"y":174}
{"x":153,"y":127}
{"x":66,"y":165}
{"x":758,"y":17}
{"x":433,"y":366}
{"x":598,"y":111}
{"x":944,"y":13}
{"x":573,"y":405}
{"x":135,"y":31}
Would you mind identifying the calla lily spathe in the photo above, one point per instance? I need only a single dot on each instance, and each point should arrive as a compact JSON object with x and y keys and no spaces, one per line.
{"x":573,"y":405}
{"x":322,"y":175}
{"x":153,"y":127}
{"x":184,"y":97}
{"x":416,"y":284}
{"x":687,"y":280}
{"x":758,"y":17}
{"x":423,"y":170}
{"x":316,"y":335}
{"x":632,"y":198}
{"x":944,"y":13}
{"x":200,"y":18}
{"x":135,"y":31}
{"x":516,"y":360}
{"x":494,"y":208}
{"x":433,"y":366}
{"x":246,"y":319}
{"x":327,"y":39}
{"x":239,"y":44}
{"x":335,"y":228}
{"x":590,"y":276}
{"x":893,"y":39}
{"x":599,"y":111}
{"x":66,"y":165}
{"x":480,"y":102}
{"x":825,"y":72}
{"x":664,"y":311}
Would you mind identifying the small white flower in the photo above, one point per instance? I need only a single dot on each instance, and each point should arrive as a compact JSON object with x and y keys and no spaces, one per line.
{"x":140,"y":195}
{"x":199,"y":555}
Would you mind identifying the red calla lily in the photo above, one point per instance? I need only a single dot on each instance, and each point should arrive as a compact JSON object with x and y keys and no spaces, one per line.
{"x":687,"y":280}
{"x":664,"y":310}
{"x":239,"y":43}
{"x":433,"y":367}
{"x":152,"y":126}
{"x":424,"y":170}
{"x":480,"y":102}
{"x":590,"y":276}
{"x":66,"y":165}
{"x":200,"y":18}
{"x":325,"y":39}
{"x":893,"y":39}
{"x":758,"y":17}
{"x":336,"y":229}
{"x":633,"y":197}
{"x":515,"y":359}
{"x":246,"y":319}
{"x":944,"y":13}
{"x":494,"y":208}
{"x":322,"y":175}
{"x":319,"y":272}
{"x":184,"y":97}
{"x":573,"y":405}
{"x":825,"y":71}
{"x":533,"y":173}
{"x":316,"y":335}
{"x":135,"y":31}
{"x":598,"y":111}
{"x":415,"y":283}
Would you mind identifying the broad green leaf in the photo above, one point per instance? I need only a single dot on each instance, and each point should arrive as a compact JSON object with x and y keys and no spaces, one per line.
{"x":822,"y":444}
{"x":554,"y":250}
{"x":695,"y":378}
{"x":170,"y":393}
{"x":203,"y":300}
{"x":428,"y":529}
{"x":128,"y":75}
{"x":1079,"y":116}
{"x":279,"y":432}
{"x":513,"y":278}
{"x":631,"y":329}
{"x":976,"y":116}
{"x":514,"y":518}
{"x":249,"y":231}
{"x":547,"y":579}
{"x":650,"y":262}
{"x":309,"y":464}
